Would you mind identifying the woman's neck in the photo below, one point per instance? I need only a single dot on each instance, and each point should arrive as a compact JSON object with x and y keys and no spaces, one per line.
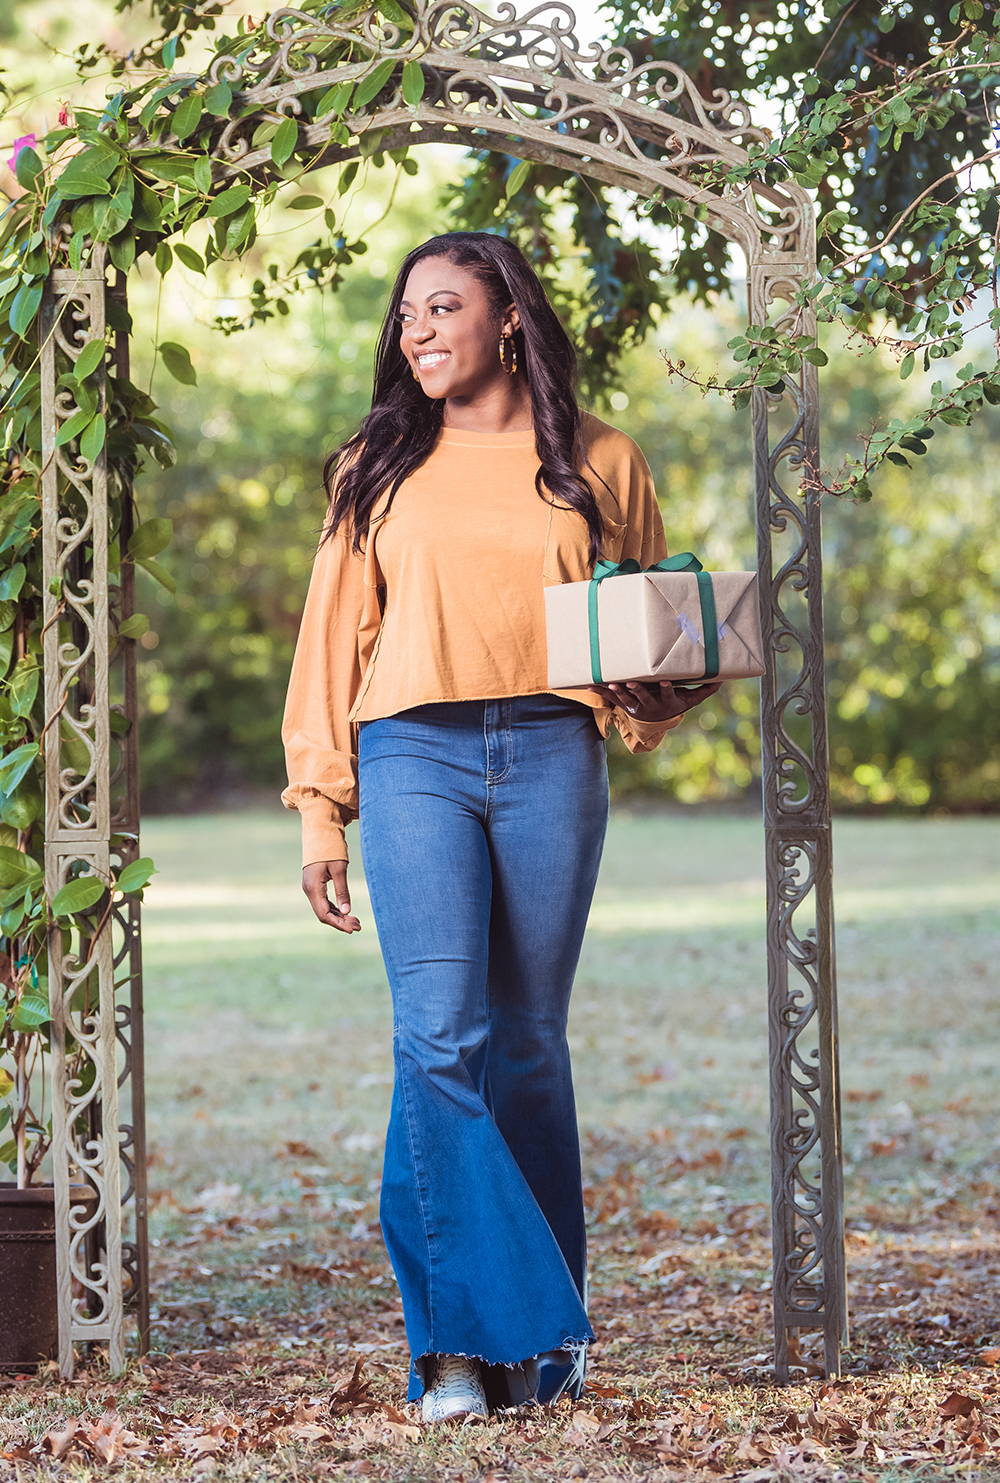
{"x":493,"y":416}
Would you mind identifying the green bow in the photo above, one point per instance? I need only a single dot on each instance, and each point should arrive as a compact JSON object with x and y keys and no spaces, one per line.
{"x":684,"y":561}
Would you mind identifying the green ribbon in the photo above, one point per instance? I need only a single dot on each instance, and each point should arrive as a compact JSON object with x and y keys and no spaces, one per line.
{"x":684,"y":561}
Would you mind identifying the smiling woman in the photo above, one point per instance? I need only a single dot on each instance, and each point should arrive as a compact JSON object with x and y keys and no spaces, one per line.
{"x":445,"y":333}
{"x":418,"y":702}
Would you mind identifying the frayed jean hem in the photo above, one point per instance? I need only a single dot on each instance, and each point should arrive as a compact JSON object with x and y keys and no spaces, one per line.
{"x":539,"y":1379}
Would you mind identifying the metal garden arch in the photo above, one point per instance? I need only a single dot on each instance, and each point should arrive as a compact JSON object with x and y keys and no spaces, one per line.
{"x":525,"y":87}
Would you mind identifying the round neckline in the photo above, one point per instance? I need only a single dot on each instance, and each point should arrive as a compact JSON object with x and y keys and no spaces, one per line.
{"x":522,"y":437}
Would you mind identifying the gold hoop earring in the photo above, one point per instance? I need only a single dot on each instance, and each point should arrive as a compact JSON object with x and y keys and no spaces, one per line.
{"x":511,"y":369}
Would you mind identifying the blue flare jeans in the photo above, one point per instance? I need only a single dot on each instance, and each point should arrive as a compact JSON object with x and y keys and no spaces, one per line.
{"x":482,"y":826}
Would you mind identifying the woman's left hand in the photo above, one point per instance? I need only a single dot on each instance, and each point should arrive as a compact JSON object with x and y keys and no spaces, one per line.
{"x":658,"y":701}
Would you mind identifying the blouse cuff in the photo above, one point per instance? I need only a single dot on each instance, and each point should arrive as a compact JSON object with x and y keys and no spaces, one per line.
{"x":643,"y":736}
{"x":323,"y":825}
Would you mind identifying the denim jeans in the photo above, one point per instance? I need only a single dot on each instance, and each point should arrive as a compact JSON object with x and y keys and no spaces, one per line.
{"x":482,"y":825}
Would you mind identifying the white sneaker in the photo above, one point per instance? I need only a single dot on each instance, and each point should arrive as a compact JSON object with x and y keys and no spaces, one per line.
{"x":454,"y":1388}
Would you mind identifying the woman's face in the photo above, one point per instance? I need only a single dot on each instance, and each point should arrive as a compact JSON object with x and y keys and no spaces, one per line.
{"x":447,"y":331}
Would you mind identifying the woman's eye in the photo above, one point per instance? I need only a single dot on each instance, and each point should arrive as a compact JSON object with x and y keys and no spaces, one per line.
{"x":401,"y":314}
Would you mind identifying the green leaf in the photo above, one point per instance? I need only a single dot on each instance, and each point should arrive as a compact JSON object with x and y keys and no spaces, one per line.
{"x":284,"y":142}
{"x":229,"y":201}
{"x":152,"y":104}
{"x":163,"y":257}
{"x":815,"y":356}
{"x":11,"y":581}
{"x":148,"y":215}
{"x":305,"y":203}
{"x":134,"y":626}
{"x":202,"y":173}
{"x":121,"y":202}
{"x":14,"y":767}
{"x":83,"y":185}
{"x":10,"y":922}
{"x":516,"y":178}
{"x":159,"y":574}
{"x":121,"y":251}
{"x":239,"y":228}
{"x":413,"y":82}
{"x":334,"y":100}
{"x":77,"y":895}
{"x":373,"y":84}
{"x":92,"y":438}
{"x":73,"y":426}
{"x":186,"y":116}
{"x":219,"y":100}
{"x":149,"y":538}
{"x":189,"y":257}
{"x":30,"y":1014}
{"x":168,"y":54}
{"x":177,"y":359}
{"x":137,"y":874}
{"x":24,"y":308}
{"x":906,"y":366}
{"x":176,"y":168}
{"x":87,"y":173}
{"x":898,"y":458}
{"x":23,"y":685}
{"x":832,"y":222}
{"x":84,"y":394}
{"x":17,"y":868}
{"x":28,"y":167}
{"x":90,"y":357}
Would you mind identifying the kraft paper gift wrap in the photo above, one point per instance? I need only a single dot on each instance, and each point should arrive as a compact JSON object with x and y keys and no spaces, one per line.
{"x":670,"y":621}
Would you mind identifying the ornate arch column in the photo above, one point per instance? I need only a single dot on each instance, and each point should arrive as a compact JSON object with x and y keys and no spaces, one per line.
{"x":523,"y":87}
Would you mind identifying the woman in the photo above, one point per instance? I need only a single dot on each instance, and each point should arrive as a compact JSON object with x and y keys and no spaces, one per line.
{"x":418,"y":702}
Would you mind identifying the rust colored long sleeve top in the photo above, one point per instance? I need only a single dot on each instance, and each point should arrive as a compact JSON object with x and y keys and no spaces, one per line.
{"x":446,"y":603}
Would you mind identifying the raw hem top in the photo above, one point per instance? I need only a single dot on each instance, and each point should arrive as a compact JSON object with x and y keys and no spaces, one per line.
{"x":446,"y":602}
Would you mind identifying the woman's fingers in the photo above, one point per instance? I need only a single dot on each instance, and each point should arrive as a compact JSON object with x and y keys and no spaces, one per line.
{"x":661,"y":697}
{"x":698,"y":692}
{"x":314,"y":883}
{"x":341,"y":894}
{"x":629,"y":694}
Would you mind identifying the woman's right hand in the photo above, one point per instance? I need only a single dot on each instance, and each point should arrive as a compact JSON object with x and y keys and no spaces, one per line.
{"x":314,"y":880}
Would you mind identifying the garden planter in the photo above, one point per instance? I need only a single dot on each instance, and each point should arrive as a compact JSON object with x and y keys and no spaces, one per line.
{"x":29,"y":1324}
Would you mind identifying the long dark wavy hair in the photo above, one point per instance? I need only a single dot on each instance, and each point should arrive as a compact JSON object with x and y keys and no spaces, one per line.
{"x":399,"y":432}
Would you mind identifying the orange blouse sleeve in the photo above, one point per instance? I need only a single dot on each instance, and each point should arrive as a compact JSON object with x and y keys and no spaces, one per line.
{"x":339,"y":621}
{"x":646,"y":541}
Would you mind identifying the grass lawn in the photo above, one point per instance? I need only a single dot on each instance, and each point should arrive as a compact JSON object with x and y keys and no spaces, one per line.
{"x":279,"y":1345}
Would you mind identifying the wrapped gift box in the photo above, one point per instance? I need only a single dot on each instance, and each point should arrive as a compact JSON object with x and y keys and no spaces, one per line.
{"x":630,"y":623}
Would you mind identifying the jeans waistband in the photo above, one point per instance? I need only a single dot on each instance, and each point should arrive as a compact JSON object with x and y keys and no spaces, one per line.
{"x":500,"y":709}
